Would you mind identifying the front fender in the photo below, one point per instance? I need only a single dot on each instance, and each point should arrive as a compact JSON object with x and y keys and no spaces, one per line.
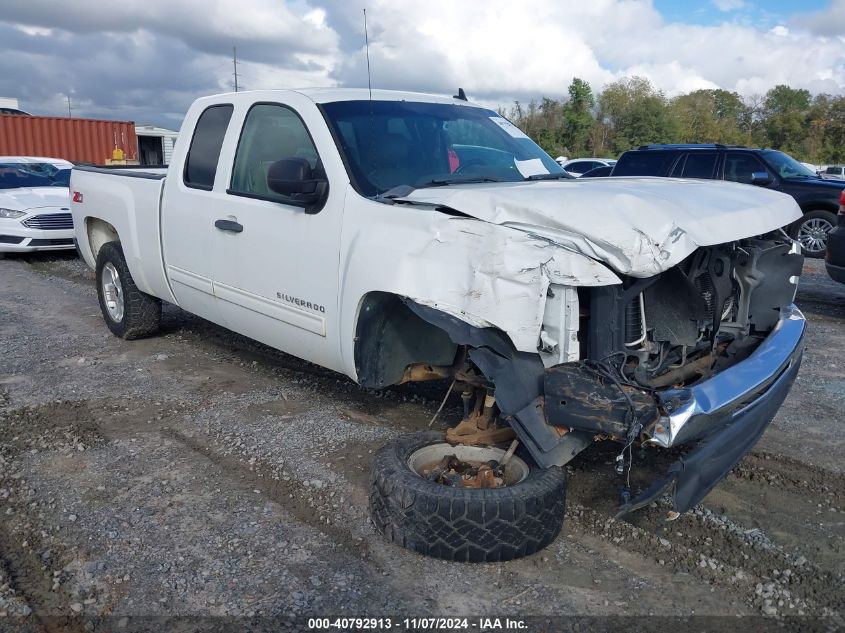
{"x":483,"y":274}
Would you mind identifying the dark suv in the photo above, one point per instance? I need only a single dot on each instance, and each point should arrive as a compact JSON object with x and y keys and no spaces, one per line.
{"x":835,"y":258}
{"x":818,"y":198}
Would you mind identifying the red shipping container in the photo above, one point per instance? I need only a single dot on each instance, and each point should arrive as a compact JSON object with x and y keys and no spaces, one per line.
{"x":76,"y":140}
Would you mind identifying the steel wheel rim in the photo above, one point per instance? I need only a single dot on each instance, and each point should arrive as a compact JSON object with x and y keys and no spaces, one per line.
{"x":813,"y":234}
{"x":515,"y":471}
{"x":112,"y":292}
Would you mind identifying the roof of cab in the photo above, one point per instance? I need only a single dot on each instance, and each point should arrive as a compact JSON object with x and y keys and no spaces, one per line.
{"x":330,"y":95}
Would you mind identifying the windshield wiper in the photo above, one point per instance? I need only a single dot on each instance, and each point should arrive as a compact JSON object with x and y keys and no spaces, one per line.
{"x":550,"y":177}
{"x":403,"y":191}
{"x":456,"y":181}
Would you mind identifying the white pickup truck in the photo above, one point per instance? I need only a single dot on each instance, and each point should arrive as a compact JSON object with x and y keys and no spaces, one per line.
{"x":398,"y":237}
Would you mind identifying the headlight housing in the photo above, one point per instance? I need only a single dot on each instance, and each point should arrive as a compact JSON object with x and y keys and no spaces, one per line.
{"x":11,"y":214}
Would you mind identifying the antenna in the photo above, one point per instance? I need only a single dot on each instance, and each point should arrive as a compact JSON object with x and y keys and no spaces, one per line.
{"x":367,"y":42}
{"x":69,"y":113}
{"x":235,"y":65}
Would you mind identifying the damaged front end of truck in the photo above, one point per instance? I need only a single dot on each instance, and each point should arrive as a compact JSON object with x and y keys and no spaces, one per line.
{"x":657,"y":327}
{"x":701,"y":354}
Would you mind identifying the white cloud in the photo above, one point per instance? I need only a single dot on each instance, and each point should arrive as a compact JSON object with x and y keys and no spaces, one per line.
{"x":152,"y":56}
{"x":828,"y":21}
{"x":535,"y":47}
{"x":674,"y":78}
{"x":729,"y":5}
{"x":34,"y":31}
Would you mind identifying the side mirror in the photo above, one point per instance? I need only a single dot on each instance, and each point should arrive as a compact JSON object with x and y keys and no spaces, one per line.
{"x":761,"y":178}
{"x":293,"y":177}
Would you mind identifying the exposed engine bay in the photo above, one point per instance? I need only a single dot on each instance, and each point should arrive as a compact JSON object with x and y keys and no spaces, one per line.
{"x":670,"y":331}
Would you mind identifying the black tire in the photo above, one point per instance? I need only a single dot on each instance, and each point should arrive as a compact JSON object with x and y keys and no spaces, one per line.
{"x":808,"y":219}
{"x":141,"y":312}
{"x":460,"y":524}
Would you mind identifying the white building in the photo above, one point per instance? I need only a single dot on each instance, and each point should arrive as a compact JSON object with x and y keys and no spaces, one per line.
{"x":155,"y":144}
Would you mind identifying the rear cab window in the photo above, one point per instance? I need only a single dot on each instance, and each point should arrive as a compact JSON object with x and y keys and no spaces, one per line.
{"x":204,"y":152}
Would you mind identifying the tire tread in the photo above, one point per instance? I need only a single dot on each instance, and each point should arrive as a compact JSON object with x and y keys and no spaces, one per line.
{"x":461,"y":524}
{"x":141,"y":312}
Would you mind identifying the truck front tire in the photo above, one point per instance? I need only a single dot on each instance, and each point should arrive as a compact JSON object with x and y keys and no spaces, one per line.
{"x":463,"y":524}
{"x":128,"y":312}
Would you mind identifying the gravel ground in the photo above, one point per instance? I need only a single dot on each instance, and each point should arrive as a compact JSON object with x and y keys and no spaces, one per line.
{"x":198,"y":473}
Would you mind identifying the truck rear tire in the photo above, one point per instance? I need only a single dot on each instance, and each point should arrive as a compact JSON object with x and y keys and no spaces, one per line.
{"x":128,"y":312}
{"x":463,"y":524}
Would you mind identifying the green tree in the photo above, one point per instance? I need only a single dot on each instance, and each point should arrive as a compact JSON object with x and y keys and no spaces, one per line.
{"x":578,"y":118}
{"x":636,"y":113}
{"x":785,"y":117}
{"x":834,"y":132}
{"x":711,"y":116}
{"x":632,"y":112}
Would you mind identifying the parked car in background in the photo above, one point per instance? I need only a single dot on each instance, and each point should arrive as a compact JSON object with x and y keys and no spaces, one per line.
{"x":835,"y":256}
{"x":772,"y":169}
{"x":579,"y":166}
{"x":598,"y":172}
{"x":833,"y":172}
{"x":34,"y":204}
{"x":10,"y":105}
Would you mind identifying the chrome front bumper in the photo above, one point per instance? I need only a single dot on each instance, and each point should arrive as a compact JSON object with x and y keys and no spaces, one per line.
{"x":725,"y":416}
{"x":697,"y":411}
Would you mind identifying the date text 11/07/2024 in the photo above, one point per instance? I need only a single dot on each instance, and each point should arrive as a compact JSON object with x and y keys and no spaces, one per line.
{"x":449,"y":624}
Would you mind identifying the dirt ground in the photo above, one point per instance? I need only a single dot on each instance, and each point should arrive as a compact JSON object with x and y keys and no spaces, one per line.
{"x":200,"y":474}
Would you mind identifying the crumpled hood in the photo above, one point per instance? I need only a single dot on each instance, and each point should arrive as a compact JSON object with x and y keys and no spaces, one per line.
{"x":34,"y":198}
{"x":638,"y":226}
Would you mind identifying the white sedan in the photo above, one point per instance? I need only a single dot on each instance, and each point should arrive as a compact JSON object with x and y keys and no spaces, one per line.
{"x":34,"y":204}
{"x":578,"y":166}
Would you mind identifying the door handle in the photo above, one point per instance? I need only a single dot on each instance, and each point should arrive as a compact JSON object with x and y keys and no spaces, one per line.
{"x":229,"y":225}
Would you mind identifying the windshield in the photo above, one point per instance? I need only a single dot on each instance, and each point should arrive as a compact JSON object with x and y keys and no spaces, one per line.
{"x":786,"y":166}
{"x":17,"y":175}
{"x":390,"y":143}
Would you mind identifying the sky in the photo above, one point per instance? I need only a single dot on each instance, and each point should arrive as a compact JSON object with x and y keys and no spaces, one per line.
{"x":147,"y":60}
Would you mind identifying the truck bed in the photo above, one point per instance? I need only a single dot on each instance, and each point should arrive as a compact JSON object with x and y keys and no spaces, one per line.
{"x":128,"y":198}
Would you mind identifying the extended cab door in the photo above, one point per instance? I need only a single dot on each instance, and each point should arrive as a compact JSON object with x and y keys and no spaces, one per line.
{"x":277,"y":278}
{"x":190,"y":206}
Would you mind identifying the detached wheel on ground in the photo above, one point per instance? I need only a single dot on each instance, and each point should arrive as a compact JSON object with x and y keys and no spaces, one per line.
{"x":811,"y":231}
{"x":128,"y":312}
{"x":521,"y":516}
